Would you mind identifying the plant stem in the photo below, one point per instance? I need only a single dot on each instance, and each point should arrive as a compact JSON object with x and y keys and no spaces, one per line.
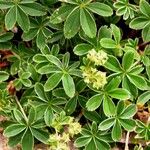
{"x":127,"y":141}
{"x":21,"y":109}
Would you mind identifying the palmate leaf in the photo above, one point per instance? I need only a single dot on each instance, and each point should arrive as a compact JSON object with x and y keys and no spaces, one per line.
{"x":143,"y":98}
{"x":106,"y":124}
{"x":94,"y":102}
{"x":129,"y":112}
{"x":40,"y":135}
{"x":27,"y":140}
{"x":71,"y":105}
{"x":100,"y":9}
{"x":87,"y":23}
{"x":113,"y":64}
{"x":5,"y":5}
{"x":60,"y":14}
{"x":3,"y":76}
{"x":19,"y":13}
{"x":11,"y":18}
{"x":108,"y":106}
{"x":128,"y":124}
{"x":146,"y":33}
{"x":142,"y":21}
{"x":82,"y":49}
{"x":33,"y":9}
{"x":92,"y":138}
{"x":72,"y":23}
{"x":14,"y":129}
{"x":53,"y":81}
{"x":119,"y":93}
{"x":116,"y":131}
{"x":139,"y":22}
{"x":138,"y":81}
{"x":82,"y":141}
{"x":68,"y":85}
{"x":145,"y":7}
{"x":21,"y":18}
{"x":128,"y":60}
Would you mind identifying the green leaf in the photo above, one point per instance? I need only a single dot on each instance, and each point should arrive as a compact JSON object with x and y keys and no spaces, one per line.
{"x":60,"y":14}
{"x":10,"y":18}
{"x":100,"y":9}
{"x":92,"y":115}
{"x":33,"y":9}
{"x":32,"y":115}
{"x":87,"y":23}
{"x":82,"y":141}
{"x":94,"y":102}
{"x":120,"y":107}
{"x":27,"y":36}
{"x":116,"y":33}
{"x":18,"y":115}
{"x":22,"y":19}
{"x":145,"y":7}
{"x":66,"y":59}
{"x":102,"y":145}
{"x":41,"y":40}
{"x":39,"y":58}
{"x":54,"y":60}
{"x":13,"y":141}
{"x":40,"y":135}
{"x":113,"y":64}
{"x":6,"y":36}
{"x":27,"y":140}
{"x":138,"y":81}
{"x":25,"y":75}
{"x":68,"y":85}
{"x":129,"y":112}
{"x":104,"y":32}
{"x":39,"y":89}
{"x":146,"y":33}
{"x":139,"y":23}
{"x":71,"y":105}
{"x":119,"y":93}
{"x":116,"y":131}
{"x":75,"y":72}
{"x":48,"y":116}
{"x":26,"y":82}
{"x":128,"y":60}
{"x":106,"y":124}
{"x":143,"y":98}
{"x":108,"y":43}
{"x":91,"y":145}
{"x":108,"y":106}
{"x":5,"y":45}
{"x":14,"y":129}
{"x":6,"y":4}
{"x":113,"y":84}
{"x":129,"y":86}
{"x":3,"y":76}
{"x":47,"y":69}
{"x":72,"y":23}
{"x":128,"y":124}
{"x":82,"y":49}
{"x":52,"y":81}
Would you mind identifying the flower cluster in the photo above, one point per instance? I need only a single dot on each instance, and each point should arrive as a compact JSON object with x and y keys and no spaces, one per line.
{"x":94,"y":77}
{"x":66,"y":127}
{"x":59,"y":142}
{"x":90,"y":73}
{"x":98,"y":58}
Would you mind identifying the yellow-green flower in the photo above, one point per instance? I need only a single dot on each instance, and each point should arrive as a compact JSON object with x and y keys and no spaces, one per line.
{"x":98,"y":58}
{"x":74,"y":128}
{"x":93,"y":76}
